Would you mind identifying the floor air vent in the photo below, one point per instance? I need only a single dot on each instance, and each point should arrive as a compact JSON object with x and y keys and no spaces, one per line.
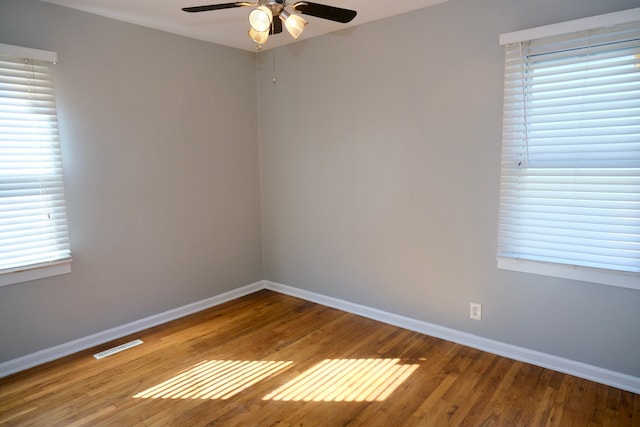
{"x":117,"y":349}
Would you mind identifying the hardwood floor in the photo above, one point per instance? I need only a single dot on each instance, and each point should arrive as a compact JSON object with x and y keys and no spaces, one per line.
{"x":268,"y":359}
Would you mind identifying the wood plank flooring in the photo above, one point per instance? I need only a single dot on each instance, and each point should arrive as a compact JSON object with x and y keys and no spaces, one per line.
{"x":268,"y":359}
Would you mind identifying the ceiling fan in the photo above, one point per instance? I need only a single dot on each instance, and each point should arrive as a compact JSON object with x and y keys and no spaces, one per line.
{"x":262,"y":22}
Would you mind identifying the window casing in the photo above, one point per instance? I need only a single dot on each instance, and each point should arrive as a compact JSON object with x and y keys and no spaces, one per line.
{"x":570,"y":170}
{"x":34,"y":240}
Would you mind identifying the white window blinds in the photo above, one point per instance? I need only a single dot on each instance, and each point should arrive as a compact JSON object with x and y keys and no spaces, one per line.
{"x":33,"y":222}
{"x":570,"y":171}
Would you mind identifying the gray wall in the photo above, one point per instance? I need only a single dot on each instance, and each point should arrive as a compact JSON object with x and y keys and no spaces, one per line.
{"x":159,"y":140}
{"x":380,"y":181}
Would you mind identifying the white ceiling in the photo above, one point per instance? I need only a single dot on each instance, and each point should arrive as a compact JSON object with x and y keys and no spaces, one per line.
{"x":229,"y":26}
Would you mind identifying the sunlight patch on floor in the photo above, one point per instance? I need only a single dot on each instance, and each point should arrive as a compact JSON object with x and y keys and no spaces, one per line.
{"x":345,"y":380}
{"x":214,"y":379}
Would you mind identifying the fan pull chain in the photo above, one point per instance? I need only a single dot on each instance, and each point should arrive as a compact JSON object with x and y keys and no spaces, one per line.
{"x":273,"y":69}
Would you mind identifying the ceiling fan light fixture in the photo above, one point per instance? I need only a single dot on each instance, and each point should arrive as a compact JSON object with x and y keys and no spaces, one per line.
{"x":260,"y":18}
{"x":295,"y":24}
{"x":259,"y":37}
{"x":269,"y":16}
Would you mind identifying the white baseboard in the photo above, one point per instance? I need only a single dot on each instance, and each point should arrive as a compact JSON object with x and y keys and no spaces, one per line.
{"x":571,"y":367}
{"x":560,"y":364}
{"x":49,"y":354}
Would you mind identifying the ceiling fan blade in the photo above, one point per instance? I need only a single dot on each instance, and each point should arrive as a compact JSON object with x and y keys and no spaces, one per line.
{"x":214,"y":7}
{"x":276,"y":26}
{"x":324,"y":11}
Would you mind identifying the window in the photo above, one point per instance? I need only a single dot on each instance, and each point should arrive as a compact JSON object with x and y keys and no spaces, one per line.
{"x":570,"y":170}
{"x":34,"y":241}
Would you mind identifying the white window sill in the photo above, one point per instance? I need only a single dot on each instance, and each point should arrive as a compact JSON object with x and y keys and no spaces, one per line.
{"x":40,"y":271}
{"x":585,"y":274}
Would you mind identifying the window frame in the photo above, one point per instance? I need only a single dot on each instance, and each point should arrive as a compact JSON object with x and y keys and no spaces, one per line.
{"x":604,"y":276}
{"x":52,"y":268}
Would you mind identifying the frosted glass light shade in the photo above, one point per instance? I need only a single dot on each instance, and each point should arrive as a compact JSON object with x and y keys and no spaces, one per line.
{"x":260,"y":18}
{"x":259,"y":37}
{"x":295,"y":24}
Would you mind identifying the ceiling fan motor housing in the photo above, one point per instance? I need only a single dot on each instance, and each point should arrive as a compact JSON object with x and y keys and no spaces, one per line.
{"x":275,"y":6}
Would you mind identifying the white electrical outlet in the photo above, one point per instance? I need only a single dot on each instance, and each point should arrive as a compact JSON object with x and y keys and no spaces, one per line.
{"x":475,"y":311}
